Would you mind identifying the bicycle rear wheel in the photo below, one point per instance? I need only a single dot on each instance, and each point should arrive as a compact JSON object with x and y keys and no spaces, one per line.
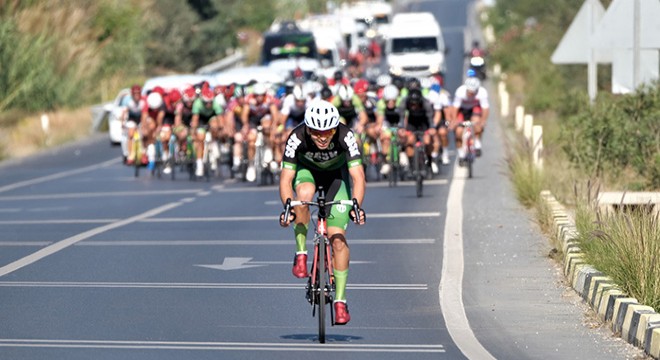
{"x":320,"y":283}
{"x":470,"y":161}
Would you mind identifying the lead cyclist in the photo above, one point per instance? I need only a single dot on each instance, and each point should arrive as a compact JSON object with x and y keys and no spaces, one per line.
{"x":323,"y":152}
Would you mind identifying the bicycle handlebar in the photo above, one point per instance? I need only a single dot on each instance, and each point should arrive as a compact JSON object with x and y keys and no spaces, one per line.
{"x":292,"y":203}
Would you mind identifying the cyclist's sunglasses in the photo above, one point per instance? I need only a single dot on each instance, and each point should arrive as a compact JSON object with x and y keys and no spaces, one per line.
{"x":322,"y":133}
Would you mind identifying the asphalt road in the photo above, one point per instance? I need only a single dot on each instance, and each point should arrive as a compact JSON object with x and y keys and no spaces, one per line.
{"x":96,"y":264}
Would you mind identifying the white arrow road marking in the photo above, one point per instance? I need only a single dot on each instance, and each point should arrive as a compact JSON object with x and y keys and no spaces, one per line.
{"x":238,"y":263}
{"x":233,"y":263}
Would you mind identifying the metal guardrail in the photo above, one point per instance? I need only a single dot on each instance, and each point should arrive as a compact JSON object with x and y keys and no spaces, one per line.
{"x":234,"y":60}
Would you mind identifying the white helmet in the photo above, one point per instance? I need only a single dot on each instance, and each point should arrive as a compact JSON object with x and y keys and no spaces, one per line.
{"x":321,"y":115}
{"x":311,"y":88}
{"x":259,"y":89}
{"x":154,"y":100}
{"x":298,"y":93}
{"x":383,"y":80}
{"x":390,"y":92}
{"x":220,"y":100}
{"x":345,"y":92}
{"x":472,"y":84}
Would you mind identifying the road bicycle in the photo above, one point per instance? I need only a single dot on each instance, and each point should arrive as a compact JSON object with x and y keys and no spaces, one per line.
{"x":372,"y":159}
{"x":468,"y":147}
{"x":264,"y":176}
{"x":395,"y":167}
{"x":320,"y":287}
{"x":138,"y":152}
{"x":419,"y":164}
{"x":170,"y":159}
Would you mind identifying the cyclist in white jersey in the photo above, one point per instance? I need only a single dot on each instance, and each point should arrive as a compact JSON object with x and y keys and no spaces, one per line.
{"x":470,"y":103}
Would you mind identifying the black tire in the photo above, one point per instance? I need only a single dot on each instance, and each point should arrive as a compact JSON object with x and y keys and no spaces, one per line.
{"x":320,"y":283}
{"x":137,"y":162}
{"x":420,"y":164}
{"x":469,"y":161}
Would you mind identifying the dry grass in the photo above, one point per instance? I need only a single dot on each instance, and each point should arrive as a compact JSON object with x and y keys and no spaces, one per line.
{"x":27,"y":137}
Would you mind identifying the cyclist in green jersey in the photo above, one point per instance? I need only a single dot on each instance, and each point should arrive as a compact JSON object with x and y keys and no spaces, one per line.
{"x":323,"y":152}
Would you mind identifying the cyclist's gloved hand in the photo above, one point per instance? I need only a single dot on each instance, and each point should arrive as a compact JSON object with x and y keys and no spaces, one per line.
{"x":288,"y":215}
{"x":361,"y":217}
{"x":292,"y":217}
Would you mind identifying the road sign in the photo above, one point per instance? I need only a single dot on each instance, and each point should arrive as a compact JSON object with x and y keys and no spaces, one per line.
{"x":617,"y":27}
{"x":623,"y":80}
{"x":630,"y":30}
{"x":571,"y":48}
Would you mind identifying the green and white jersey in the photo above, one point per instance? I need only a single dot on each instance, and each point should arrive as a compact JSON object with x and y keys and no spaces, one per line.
{"x":301,"y":150}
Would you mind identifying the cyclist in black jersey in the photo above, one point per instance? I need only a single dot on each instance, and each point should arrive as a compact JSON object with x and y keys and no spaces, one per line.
{"x":323,"y":152}
{"x":418,"y":115}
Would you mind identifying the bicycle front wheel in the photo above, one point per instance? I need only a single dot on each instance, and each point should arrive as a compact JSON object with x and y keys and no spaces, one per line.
{"x":320,"y":282}
{"x":419,"y":169}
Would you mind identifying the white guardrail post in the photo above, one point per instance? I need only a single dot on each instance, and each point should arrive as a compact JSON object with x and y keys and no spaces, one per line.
{"x":528,"y":122}
{"x":537,"y":146}
{"x":520,"y":113}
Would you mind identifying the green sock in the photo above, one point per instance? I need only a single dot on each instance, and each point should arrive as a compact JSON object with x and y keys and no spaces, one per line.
{"x":340,"y":284}
{"x":300,"y":231}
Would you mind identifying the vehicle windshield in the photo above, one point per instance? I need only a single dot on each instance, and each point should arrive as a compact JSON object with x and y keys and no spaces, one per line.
{"x":284,"y":46}
{"x":419,"y":44}
{"x":326,"y":58}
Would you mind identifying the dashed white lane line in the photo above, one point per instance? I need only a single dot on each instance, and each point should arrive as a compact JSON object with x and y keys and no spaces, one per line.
{"x":58,"y":175}
{"x":58,"y":246}
{"x":275,"y":242}
{"x":160,"y":285}
{"x":451,"y":283}
{"x":203,"y":219}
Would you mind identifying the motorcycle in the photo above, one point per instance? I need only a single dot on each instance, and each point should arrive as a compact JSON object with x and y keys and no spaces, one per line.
{"x":478,"y":65}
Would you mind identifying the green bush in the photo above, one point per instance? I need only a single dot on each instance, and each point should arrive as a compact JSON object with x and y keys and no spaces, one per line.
{"x":618,"y":132}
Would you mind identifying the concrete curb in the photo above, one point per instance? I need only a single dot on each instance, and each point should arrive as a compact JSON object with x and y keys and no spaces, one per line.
{"x":635,"y":323}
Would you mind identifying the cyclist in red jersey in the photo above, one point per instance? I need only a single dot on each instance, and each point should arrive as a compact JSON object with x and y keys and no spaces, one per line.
{"x":261,"y":110}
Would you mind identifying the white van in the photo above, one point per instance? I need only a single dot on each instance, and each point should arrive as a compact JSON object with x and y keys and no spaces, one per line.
{"x":414,"y":46}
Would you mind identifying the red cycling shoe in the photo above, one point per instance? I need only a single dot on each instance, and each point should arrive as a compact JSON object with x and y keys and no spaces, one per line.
{"x":300,"y":266}
{"x":342,"y":317}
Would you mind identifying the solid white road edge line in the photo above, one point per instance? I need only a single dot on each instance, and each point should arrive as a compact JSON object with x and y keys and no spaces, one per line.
{"x":451,"y":280}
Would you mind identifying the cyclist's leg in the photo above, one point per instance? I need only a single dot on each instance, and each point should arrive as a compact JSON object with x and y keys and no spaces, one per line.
{"x":339,"y":189}
{"x":305,"y":188}
{"x":131,"y":126}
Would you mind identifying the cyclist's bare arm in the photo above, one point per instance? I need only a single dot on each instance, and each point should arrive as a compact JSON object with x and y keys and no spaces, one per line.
{"x":484,"y":115}
{"x":286,"y":188}
{"x":436,"y":117}
{"x":359,"y":185}
{"x":245,"y":117}
{"x":194,"y":121}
